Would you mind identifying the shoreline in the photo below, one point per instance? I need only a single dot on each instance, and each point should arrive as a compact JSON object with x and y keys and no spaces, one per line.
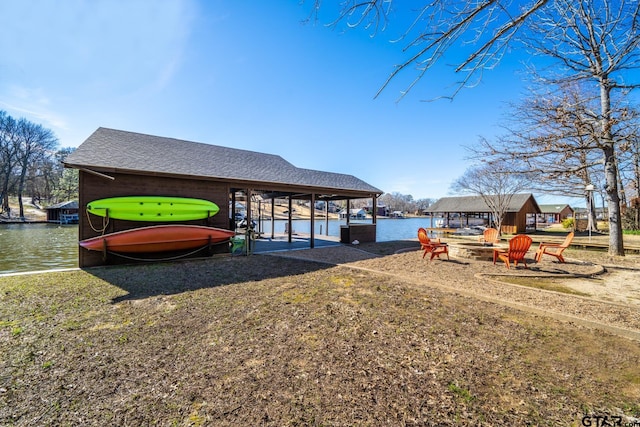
{"x":38,"y":221}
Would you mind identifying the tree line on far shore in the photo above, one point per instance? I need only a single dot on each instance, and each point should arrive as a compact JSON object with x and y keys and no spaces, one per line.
{"x":30,"y":165}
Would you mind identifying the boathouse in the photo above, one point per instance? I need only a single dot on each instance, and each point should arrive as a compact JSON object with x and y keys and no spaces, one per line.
{"x":63,"y":213}
{"x":466,"y":211}
{"x":115,"y":163}
{"x":555,"y":214}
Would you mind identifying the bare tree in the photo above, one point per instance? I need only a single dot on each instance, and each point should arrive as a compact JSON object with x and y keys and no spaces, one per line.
{"x":629,"y":160}
{"x":396,"y":201}
{"x":8,"y":157}
{"x":35,"y":143}
{"x":422,"y":204}
{"x":496,"y":185}
{"x":596,"y":41}
{"x":484,"y":30}
{"x":28,"y":162}
{"x":591,"y":40}
{"x":635,"y":164}
{"x":556,"y":135}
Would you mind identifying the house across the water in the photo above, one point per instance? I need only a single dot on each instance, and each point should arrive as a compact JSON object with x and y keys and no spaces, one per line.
{"x":63,"y":213}
{"x":555,"y":214}
{"x":354,"y":214}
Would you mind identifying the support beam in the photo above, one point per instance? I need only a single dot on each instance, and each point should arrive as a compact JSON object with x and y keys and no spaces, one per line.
{"x":348,"y":211}
{"x":289,"y":220}
{"x":313,"y":220}
{"x":326,"y":217}
{"x":374,"y":215}
{"x":247,"y":245}
{"x":101,"y":175}
{"x":273,"y":217}
{"x":232,"y":222}
{"x":259,"y":223}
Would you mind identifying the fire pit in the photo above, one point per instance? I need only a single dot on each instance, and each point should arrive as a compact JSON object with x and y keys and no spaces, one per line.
{"x":472,"y":250}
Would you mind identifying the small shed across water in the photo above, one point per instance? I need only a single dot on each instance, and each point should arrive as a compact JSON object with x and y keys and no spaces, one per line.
{"x":465,"y":211}
{"x":554,"y":214}
{"x":63,"y":213}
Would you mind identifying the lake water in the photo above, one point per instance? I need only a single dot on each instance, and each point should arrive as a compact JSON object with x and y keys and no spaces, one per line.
{"x":386,"y":229}
{"x":28,"y":247}
{"x":34,"y":247}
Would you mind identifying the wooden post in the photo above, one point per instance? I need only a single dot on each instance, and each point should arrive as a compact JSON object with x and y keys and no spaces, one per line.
{"x":313,"y":216}
{"x":326,"y":216}
{"x":348,"y":211}
{"x":233,"y":209}
{"x":273,"y":217}
{"x":259,"y":217}
{"x":104,"y":250}
{"x":247,"y":243}
{"x":289,"y":239}
{"x":374,"y":215}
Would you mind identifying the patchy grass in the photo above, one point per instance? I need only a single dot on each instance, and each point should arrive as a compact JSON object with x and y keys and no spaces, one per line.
{"x":270,"y":341}
{"x":542,"y":283}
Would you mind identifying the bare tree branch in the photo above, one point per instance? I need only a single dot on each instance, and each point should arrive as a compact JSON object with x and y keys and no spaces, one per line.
{"x":495,"y":184}
{"x":597,"y":41}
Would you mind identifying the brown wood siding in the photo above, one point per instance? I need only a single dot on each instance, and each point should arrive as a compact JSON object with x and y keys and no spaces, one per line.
{"x":530,"y":207}
{"x":516,"y":222}
{"x":93,"y":187}
{"x":509,"y":223}
{"x":364,"y":233}
{"x":509,"y":229}
{"x":565,"y":213}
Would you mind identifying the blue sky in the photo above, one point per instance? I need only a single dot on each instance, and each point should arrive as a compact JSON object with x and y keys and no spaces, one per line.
{"x":249,"y":75}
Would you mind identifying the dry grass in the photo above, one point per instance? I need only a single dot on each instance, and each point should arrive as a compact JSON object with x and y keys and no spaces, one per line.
{"x":544,"y":283}
{"x":273,"y":341}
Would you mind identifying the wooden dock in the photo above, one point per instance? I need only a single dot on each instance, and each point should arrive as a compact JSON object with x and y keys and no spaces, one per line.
{"x":599,"y":242}
{"x":441,"y":230}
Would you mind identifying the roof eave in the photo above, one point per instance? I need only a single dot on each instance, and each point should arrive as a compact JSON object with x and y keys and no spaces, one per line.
{"x":234,"y":182}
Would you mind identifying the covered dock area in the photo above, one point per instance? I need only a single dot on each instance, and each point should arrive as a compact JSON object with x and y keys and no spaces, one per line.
{"x":281,"y":243}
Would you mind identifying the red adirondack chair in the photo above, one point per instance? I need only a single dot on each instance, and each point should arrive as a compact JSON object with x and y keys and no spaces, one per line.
{"x":489,"y":236}
{"x":435,"y":247}
{"x":554,"y":249}
{"x":518,"y":247}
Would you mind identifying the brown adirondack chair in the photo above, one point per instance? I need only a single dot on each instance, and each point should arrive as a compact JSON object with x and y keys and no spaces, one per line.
{"x":554,"y":249}
{"x":489,"y":236}
{"x":435,"y":247}
{"x":518,"y":247}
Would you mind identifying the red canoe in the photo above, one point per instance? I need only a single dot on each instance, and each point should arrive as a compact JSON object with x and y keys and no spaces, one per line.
{"x":158,"y":238}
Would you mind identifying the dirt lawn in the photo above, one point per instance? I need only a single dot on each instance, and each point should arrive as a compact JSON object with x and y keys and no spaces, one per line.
{"x":617,"y":285}
{"x":372,"y":336}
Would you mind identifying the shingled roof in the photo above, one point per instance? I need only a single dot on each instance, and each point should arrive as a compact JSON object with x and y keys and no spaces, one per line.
{"x":70,"y":204}
{"x":129,"y":152}
{"x":476,"y":204}
{"x":557,"y":208}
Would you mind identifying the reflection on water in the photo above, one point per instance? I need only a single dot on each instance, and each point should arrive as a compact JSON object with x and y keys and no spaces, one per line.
{"x":30,"y":247}
{"x":34,"y":247}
